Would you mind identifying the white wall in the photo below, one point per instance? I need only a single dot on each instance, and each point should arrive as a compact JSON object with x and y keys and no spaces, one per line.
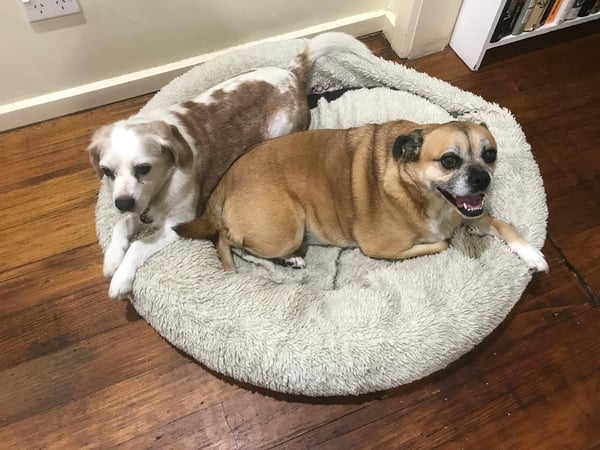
{"x":121,"y":48}
{"x":434,"y":27}
{"x":122,"y":36}
{"x":419,"y":27}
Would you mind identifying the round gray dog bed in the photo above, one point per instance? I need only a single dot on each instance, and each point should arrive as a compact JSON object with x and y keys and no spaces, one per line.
{"x":346,"y":324}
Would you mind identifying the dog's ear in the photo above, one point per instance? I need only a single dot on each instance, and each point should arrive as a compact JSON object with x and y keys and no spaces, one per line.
{"x":174,"y":145}
{"x":408,"y":146}
{"x":99,"y":141}
{"x":180,"y":150}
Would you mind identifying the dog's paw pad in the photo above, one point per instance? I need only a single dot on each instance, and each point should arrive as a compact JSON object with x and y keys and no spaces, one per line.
{"x":295,"y":262}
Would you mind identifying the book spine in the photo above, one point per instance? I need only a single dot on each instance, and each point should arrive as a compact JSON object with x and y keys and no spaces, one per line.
{"x":586,"y":8}
{"x":547,"y":12}
{"x":574,"y":10}
{"x":536,"y":15}
{"x":524,"y":16}
{"x":553,"y":12}
{"x":565,"y":6}
{"x":515,"y":16}
{"x":504,"y":21}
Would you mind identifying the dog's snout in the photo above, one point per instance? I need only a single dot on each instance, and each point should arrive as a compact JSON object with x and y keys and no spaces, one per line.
{"x":479,"y":179}
{"x":125,"y":204}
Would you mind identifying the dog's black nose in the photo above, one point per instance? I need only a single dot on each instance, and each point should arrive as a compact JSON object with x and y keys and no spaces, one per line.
{"x":125,"y":204}
{"x":479,"y":179}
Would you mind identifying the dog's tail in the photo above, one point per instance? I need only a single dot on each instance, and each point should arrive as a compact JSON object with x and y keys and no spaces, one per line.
{"x":322,"y":45}
{"x":200,"y":228}
{"x":205,"y":228}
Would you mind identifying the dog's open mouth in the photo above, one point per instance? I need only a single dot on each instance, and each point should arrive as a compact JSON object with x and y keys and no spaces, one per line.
{"x":468,"y":205}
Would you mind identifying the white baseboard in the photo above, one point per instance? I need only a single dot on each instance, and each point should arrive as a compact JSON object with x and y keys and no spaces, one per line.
{"x":55,"y":104}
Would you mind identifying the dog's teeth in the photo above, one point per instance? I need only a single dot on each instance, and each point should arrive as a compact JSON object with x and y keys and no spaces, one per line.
{"x":468,"y":207}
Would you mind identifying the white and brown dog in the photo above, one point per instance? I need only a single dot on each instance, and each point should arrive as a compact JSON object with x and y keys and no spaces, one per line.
{"x":162,"y":166}
{"x":395,"y":190}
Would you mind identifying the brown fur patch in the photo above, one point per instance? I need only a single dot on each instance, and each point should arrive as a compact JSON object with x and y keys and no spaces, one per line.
{"x":173,"y":144}
{"x":99,"y":141}
{"x":224,"y":129}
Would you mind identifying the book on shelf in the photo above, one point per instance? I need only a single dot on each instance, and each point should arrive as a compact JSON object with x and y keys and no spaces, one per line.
{"x":563,"y":9}
{"x":572,"y":13}
{"x":547,"y":11}
{"x":523,"y":16}
{"x":586,"y":8}
{"x":553,"y":11}
{"x":536,"y":15}
{"x":507,"y":19}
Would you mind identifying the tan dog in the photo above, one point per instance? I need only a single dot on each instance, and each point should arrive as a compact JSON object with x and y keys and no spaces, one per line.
{"x":395,"y":190}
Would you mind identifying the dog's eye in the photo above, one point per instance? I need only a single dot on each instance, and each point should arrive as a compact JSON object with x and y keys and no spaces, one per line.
{"x":489,"y":155}
{"x":142,"y":169}
{"x":109,"y":173}
{"x":450,"y":161}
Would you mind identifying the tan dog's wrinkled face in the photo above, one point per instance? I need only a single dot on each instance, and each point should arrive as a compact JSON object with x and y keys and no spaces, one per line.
{"x":456,"y":159}
{"x":137,"y":159}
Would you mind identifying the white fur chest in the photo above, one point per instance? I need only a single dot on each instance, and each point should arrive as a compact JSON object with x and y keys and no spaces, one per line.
{"x":443,"y":221}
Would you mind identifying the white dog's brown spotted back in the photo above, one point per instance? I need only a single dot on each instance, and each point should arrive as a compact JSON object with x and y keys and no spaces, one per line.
{"x":223,"y":128}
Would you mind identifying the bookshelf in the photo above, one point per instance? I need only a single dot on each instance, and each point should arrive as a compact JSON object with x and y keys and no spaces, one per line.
{"x":477,"y":21}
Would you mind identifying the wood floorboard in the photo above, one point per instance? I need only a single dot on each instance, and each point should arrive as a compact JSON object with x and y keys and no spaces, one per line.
{"x":171,"y":389}
{"x":56,"y":324}
{"x":80,"y":371}
{"x":44,"y":280}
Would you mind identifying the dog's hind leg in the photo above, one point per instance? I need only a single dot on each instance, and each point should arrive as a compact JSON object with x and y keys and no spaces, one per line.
{"x":224,"y":252}
{"x":295,"y":262}
{"x":276,"y":236}
{"x":296,"y":259}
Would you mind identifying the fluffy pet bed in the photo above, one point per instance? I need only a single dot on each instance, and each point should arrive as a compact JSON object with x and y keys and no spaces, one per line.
{"x":346,"y":324}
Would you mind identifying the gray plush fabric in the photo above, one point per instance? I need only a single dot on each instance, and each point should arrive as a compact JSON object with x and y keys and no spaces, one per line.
{"x":346,"y":324}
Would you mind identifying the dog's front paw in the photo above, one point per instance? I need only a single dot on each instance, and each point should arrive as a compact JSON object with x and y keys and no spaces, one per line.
{"x":112,"y":260}
{"x":531,"y":256}
{"x":121,"y":283}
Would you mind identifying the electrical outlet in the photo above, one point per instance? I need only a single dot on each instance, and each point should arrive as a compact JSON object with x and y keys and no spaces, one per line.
{"x":47,"y":9}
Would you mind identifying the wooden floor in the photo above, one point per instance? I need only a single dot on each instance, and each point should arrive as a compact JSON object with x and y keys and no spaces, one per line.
{"x":78,"y":370}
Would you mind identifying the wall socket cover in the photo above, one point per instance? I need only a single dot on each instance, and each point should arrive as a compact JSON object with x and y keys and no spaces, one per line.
{"x":47,"y":9}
